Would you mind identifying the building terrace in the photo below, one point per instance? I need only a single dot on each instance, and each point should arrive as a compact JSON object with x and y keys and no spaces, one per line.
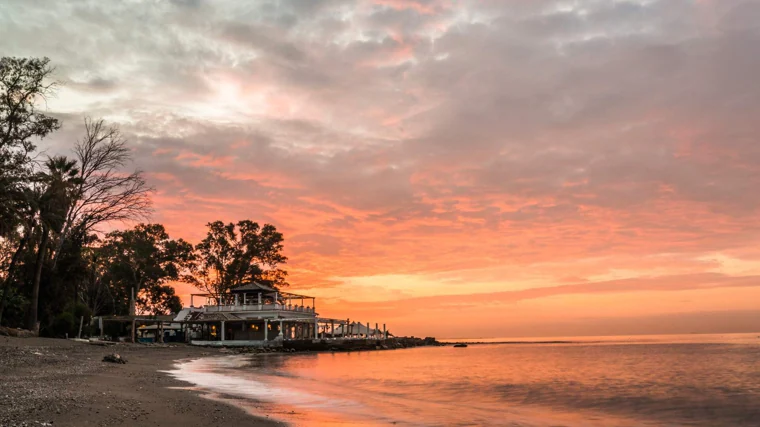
{"x":254,"y":314}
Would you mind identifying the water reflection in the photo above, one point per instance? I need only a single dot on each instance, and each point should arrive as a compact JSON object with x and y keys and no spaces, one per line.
{"x":604,"y":384}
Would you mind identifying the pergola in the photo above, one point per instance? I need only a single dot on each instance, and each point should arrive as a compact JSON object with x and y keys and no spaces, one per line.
{"x":134,"y":320}
{"x":254,"y":293}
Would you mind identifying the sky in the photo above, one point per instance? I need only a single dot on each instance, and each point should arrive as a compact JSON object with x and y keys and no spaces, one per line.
{"x":450,"y":168}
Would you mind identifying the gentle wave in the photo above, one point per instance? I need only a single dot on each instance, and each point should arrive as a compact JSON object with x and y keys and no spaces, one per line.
{"x":500,"y":385}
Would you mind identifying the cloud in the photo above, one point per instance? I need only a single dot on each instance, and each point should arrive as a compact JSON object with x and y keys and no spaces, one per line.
{"x":697,"y":281}
{"x":428,"y":138}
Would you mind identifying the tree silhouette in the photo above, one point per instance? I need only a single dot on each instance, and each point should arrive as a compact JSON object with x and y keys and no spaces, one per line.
{"x":59,"y":181}
{"x":233,"y":254}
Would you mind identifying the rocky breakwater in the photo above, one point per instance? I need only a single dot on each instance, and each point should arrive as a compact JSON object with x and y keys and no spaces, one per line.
{"x":353,"y":344}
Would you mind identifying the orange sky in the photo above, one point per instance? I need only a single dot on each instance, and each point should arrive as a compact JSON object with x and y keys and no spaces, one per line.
{"x":450,"y":168}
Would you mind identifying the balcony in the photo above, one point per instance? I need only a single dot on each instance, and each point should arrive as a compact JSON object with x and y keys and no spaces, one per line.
{"x":257,"y":307}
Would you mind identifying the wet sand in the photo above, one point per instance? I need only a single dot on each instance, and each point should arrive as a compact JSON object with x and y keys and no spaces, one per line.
{"x":58,"y":382}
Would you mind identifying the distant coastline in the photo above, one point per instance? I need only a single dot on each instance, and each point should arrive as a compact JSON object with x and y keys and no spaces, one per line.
{"x":514,"y":342}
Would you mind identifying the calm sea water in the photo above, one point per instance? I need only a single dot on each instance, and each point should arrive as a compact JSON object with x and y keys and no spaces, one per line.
{"x":694,"y":380}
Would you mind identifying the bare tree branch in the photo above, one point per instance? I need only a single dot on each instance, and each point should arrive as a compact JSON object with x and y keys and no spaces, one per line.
{"x":106,"y":194}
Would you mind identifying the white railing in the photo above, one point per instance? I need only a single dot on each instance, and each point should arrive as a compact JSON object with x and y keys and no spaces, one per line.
{"x":256,"y":307}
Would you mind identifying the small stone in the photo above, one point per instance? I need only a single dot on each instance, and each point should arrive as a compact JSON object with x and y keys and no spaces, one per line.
{"x":114,"y":358}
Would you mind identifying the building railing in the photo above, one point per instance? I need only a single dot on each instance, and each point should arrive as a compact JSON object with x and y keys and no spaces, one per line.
{"x":256,"y":307}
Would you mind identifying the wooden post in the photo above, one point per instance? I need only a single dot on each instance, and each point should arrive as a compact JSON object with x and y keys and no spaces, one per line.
{"x":367,"y":335}
{"x":134,"y":332}
{"x":266,"y":330}
{"x":81,"y":322}
{"x":316,"y":328}
{"x":374,"y":332}
{"x":385,"y":332}
{"x":100,"y":325}
{"x":132,"y":310}
{"x":222,"y":331}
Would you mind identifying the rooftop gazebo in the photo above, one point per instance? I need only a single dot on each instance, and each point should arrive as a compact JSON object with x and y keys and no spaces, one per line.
{"x":252,"y":314}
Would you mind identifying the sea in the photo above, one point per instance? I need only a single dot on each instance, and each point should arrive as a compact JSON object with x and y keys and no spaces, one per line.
{"x":686,"y":380}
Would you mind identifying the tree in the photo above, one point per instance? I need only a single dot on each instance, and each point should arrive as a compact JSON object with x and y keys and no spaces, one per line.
{"x":24,"y":83}
{"x":144,"y":259}
{"x":160,"y":300}
{"x":59,"y":181}
{"x":104,"y":194}
{"x":9,"y":267}
{"x":233,"y":254}
{"x":93,"y":291}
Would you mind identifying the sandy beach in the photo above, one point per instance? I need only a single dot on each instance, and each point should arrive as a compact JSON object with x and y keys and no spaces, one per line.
{"x":58,"y":382}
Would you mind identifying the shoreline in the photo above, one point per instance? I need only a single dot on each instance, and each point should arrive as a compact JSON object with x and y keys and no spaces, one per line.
{"x":65,"y":383}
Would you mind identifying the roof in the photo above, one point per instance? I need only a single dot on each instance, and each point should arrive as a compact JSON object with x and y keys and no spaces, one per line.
{"x":258,"y":287}
{"x":357,"y":329}
{"x":220,"y":316}
{"x":252,"y":286}
{"x":165,"y":327}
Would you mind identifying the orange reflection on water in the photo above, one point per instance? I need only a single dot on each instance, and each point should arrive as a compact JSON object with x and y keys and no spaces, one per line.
{"x":624,"y":382}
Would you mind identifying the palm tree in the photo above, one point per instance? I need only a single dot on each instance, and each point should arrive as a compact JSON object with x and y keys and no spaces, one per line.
{"x":58,"y":185}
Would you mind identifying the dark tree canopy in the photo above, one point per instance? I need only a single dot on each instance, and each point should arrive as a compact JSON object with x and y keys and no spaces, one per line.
{"x":144,"y":259}
{"x":57,"y":184}
{"x":24,"y":84}
{"x":233,"y":254}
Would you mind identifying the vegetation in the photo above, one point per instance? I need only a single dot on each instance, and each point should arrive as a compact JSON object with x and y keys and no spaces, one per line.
{"x":232,"y":254}
{"x":57,"y":265}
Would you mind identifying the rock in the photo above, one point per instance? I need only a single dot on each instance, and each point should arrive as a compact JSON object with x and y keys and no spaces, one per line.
{"x":114,"y":358}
